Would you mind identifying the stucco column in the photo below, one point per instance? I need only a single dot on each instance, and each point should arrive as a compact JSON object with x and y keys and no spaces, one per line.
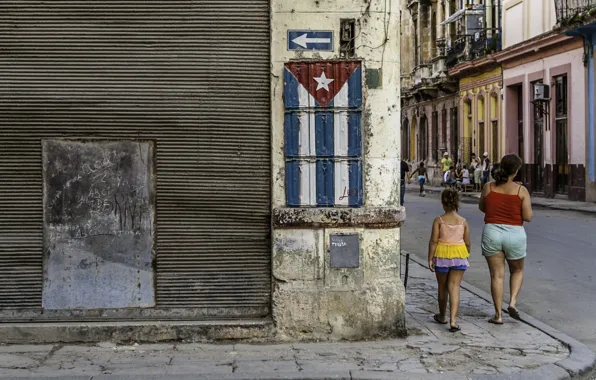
{"x":420,"y":38}
{"x":488,"y":18}
{"x":312,"y":297}
{"x":448,"y":12}
{"x":440,"y":19}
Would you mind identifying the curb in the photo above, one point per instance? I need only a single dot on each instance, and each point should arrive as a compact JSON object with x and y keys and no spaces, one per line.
{"x":341,"y":375}
{"x":580,"y":362}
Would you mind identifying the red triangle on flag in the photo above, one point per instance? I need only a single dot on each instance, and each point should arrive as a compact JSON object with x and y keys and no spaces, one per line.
{"x":323,"y":80}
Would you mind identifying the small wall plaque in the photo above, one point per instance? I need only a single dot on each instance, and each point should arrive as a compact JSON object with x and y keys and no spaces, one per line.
{"x":344,"y":250}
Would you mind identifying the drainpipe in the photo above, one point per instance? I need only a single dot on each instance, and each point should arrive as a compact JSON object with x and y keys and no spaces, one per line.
{"x":591,"y":149}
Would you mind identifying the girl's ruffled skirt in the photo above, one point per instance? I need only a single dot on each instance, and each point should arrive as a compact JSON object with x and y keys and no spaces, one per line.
{"x":451,"y":257}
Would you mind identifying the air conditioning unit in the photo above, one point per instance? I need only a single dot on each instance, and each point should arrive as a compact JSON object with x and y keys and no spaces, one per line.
{"x":541,"y":91}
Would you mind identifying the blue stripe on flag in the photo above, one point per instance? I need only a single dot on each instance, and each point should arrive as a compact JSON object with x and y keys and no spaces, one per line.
{"x":292,"y":130}
{"x":356,"y":192}
{"x":291,"y":84}
{"x":355,"y":88}
{"x":325,"y":183}
{"x":293,"y":183}
{"x":354,"y":134}
{"x":324,"y":134}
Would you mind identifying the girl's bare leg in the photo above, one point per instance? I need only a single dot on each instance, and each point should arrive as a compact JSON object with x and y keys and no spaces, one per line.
{"x":454,"y":284}
{"x":443,"y":294}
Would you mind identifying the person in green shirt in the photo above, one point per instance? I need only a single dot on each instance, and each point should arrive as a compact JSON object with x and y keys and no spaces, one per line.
{"x":446,"y":162}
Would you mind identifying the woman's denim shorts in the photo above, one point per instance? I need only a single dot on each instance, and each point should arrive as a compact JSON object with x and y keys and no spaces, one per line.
{"x":511,"y":240}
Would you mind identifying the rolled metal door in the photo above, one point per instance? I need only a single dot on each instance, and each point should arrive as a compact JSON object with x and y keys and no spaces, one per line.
{"x":193,"y":76}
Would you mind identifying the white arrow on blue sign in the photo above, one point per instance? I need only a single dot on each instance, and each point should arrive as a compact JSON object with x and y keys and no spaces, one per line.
{"x":310,"y":40}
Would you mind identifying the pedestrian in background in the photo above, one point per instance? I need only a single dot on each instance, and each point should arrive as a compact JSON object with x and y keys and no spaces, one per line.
{"x":402,"y":186}
{"x":422,"y":177}
{"x":485,"y":168}
{"x":446,"y":163}
{"x":448,"y":252}
{"x":506,"y":206}
{"x":451,"y":177}
{"x":465,"y":177}
{"x":477,"y":170}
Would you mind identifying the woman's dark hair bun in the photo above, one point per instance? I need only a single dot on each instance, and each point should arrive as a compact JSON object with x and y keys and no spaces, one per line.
{"x":500,"y":176}
{"x":510,"y":164}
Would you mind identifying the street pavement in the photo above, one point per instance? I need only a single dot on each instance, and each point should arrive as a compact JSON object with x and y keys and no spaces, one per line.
{"x":481,"y":350}
{"x":559,"y":287}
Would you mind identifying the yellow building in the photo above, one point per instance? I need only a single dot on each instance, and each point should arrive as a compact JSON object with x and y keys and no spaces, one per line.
{"x":481,"y":126}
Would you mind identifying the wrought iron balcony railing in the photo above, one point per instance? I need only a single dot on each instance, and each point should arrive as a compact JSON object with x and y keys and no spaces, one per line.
{"x":569,"y":11}
{"x":472,"y":47}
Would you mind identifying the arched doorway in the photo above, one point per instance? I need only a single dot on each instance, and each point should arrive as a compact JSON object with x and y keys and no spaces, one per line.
{"x":423,"y":139}
{"x":405,"y":139}
{"x":413,"y":140}
{"x":467,"y":131}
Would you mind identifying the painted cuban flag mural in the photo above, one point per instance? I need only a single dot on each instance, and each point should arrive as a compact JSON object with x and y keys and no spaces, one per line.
{"x":323,"y":140}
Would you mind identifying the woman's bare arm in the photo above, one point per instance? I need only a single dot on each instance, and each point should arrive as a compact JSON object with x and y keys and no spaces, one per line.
{"x":526,"y":211}
{"x":485,"y":191}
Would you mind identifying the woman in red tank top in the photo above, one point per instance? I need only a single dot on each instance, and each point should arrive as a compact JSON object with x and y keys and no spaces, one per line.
{"x":506,"y":206}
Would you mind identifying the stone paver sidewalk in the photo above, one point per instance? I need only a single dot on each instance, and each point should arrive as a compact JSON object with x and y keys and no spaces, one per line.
{"x":429,"y":352}
{"x":552,"y":203}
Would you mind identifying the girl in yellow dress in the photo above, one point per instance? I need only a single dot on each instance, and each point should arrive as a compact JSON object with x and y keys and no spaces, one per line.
{"x":448,"y":253}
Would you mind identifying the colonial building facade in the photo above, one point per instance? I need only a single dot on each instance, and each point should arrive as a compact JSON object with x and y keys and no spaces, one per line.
{"x":576,"y":18}
{"x":547,"y":129}
{"x":429,"y":124}
{"x":445,"y":41}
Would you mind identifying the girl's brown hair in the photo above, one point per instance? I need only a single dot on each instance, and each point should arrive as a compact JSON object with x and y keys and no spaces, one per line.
{"x":450,"y":199}
{"x":510,"y":164}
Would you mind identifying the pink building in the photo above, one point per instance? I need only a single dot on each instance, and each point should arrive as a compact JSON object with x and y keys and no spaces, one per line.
{"x":545,"y":127}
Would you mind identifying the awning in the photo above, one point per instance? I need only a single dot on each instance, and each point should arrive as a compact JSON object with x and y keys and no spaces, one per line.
{"x":454,"y":17}
{"x":457,"y":15}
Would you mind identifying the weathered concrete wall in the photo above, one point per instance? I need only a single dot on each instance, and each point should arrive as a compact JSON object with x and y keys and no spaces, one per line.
{"x":407,"y":30}
{"x":311,"y":300}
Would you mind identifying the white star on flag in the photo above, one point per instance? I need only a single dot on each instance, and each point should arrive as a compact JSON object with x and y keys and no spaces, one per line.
{"x":323,"y":82}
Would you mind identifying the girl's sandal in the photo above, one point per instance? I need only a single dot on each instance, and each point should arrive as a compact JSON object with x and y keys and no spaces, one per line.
{"x":437,"y":319}
{"x":494,"y":321}
{"x":455,"y":329}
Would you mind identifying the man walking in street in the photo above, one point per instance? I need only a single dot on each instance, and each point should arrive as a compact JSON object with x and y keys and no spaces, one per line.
{"x":402,"y":188}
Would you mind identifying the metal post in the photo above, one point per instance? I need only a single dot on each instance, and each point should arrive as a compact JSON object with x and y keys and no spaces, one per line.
{"x":407,"y":270}
{"x":400,"y":252}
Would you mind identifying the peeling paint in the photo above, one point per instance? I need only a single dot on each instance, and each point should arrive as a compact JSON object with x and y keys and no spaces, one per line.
{"x":380,"y":217}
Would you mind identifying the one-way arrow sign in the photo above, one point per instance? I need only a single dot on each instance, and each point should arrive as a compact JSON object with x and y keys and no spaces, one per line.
{"x":310,"y":40}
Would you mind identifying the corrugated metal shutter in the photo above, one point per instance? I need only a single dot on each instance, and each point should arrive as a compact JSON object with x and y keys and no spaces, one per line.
{"x":191,"y":75}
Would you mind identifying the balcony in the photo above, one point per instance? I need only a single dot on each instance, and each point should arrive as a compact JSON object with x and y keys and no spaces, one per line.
{"x":456,"y":53}
{"x":467,"y":48}
{"x":575,"y":11}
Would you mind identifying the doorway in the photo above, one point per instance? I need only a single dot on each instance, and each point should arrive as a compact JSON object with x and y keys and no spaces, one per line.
{"x":520,"y":123}
{"x":538,"y":167}
{"x":561,"y":125}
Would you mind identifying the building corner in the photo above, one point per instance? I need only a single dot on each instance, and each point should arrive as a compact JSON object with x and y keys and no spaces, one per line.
{"x":336,"y":216}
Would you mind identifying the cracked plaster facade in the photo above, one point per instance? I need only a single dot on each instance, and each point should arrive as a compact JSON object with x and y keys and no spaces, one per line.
{"x":310,"y":299}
